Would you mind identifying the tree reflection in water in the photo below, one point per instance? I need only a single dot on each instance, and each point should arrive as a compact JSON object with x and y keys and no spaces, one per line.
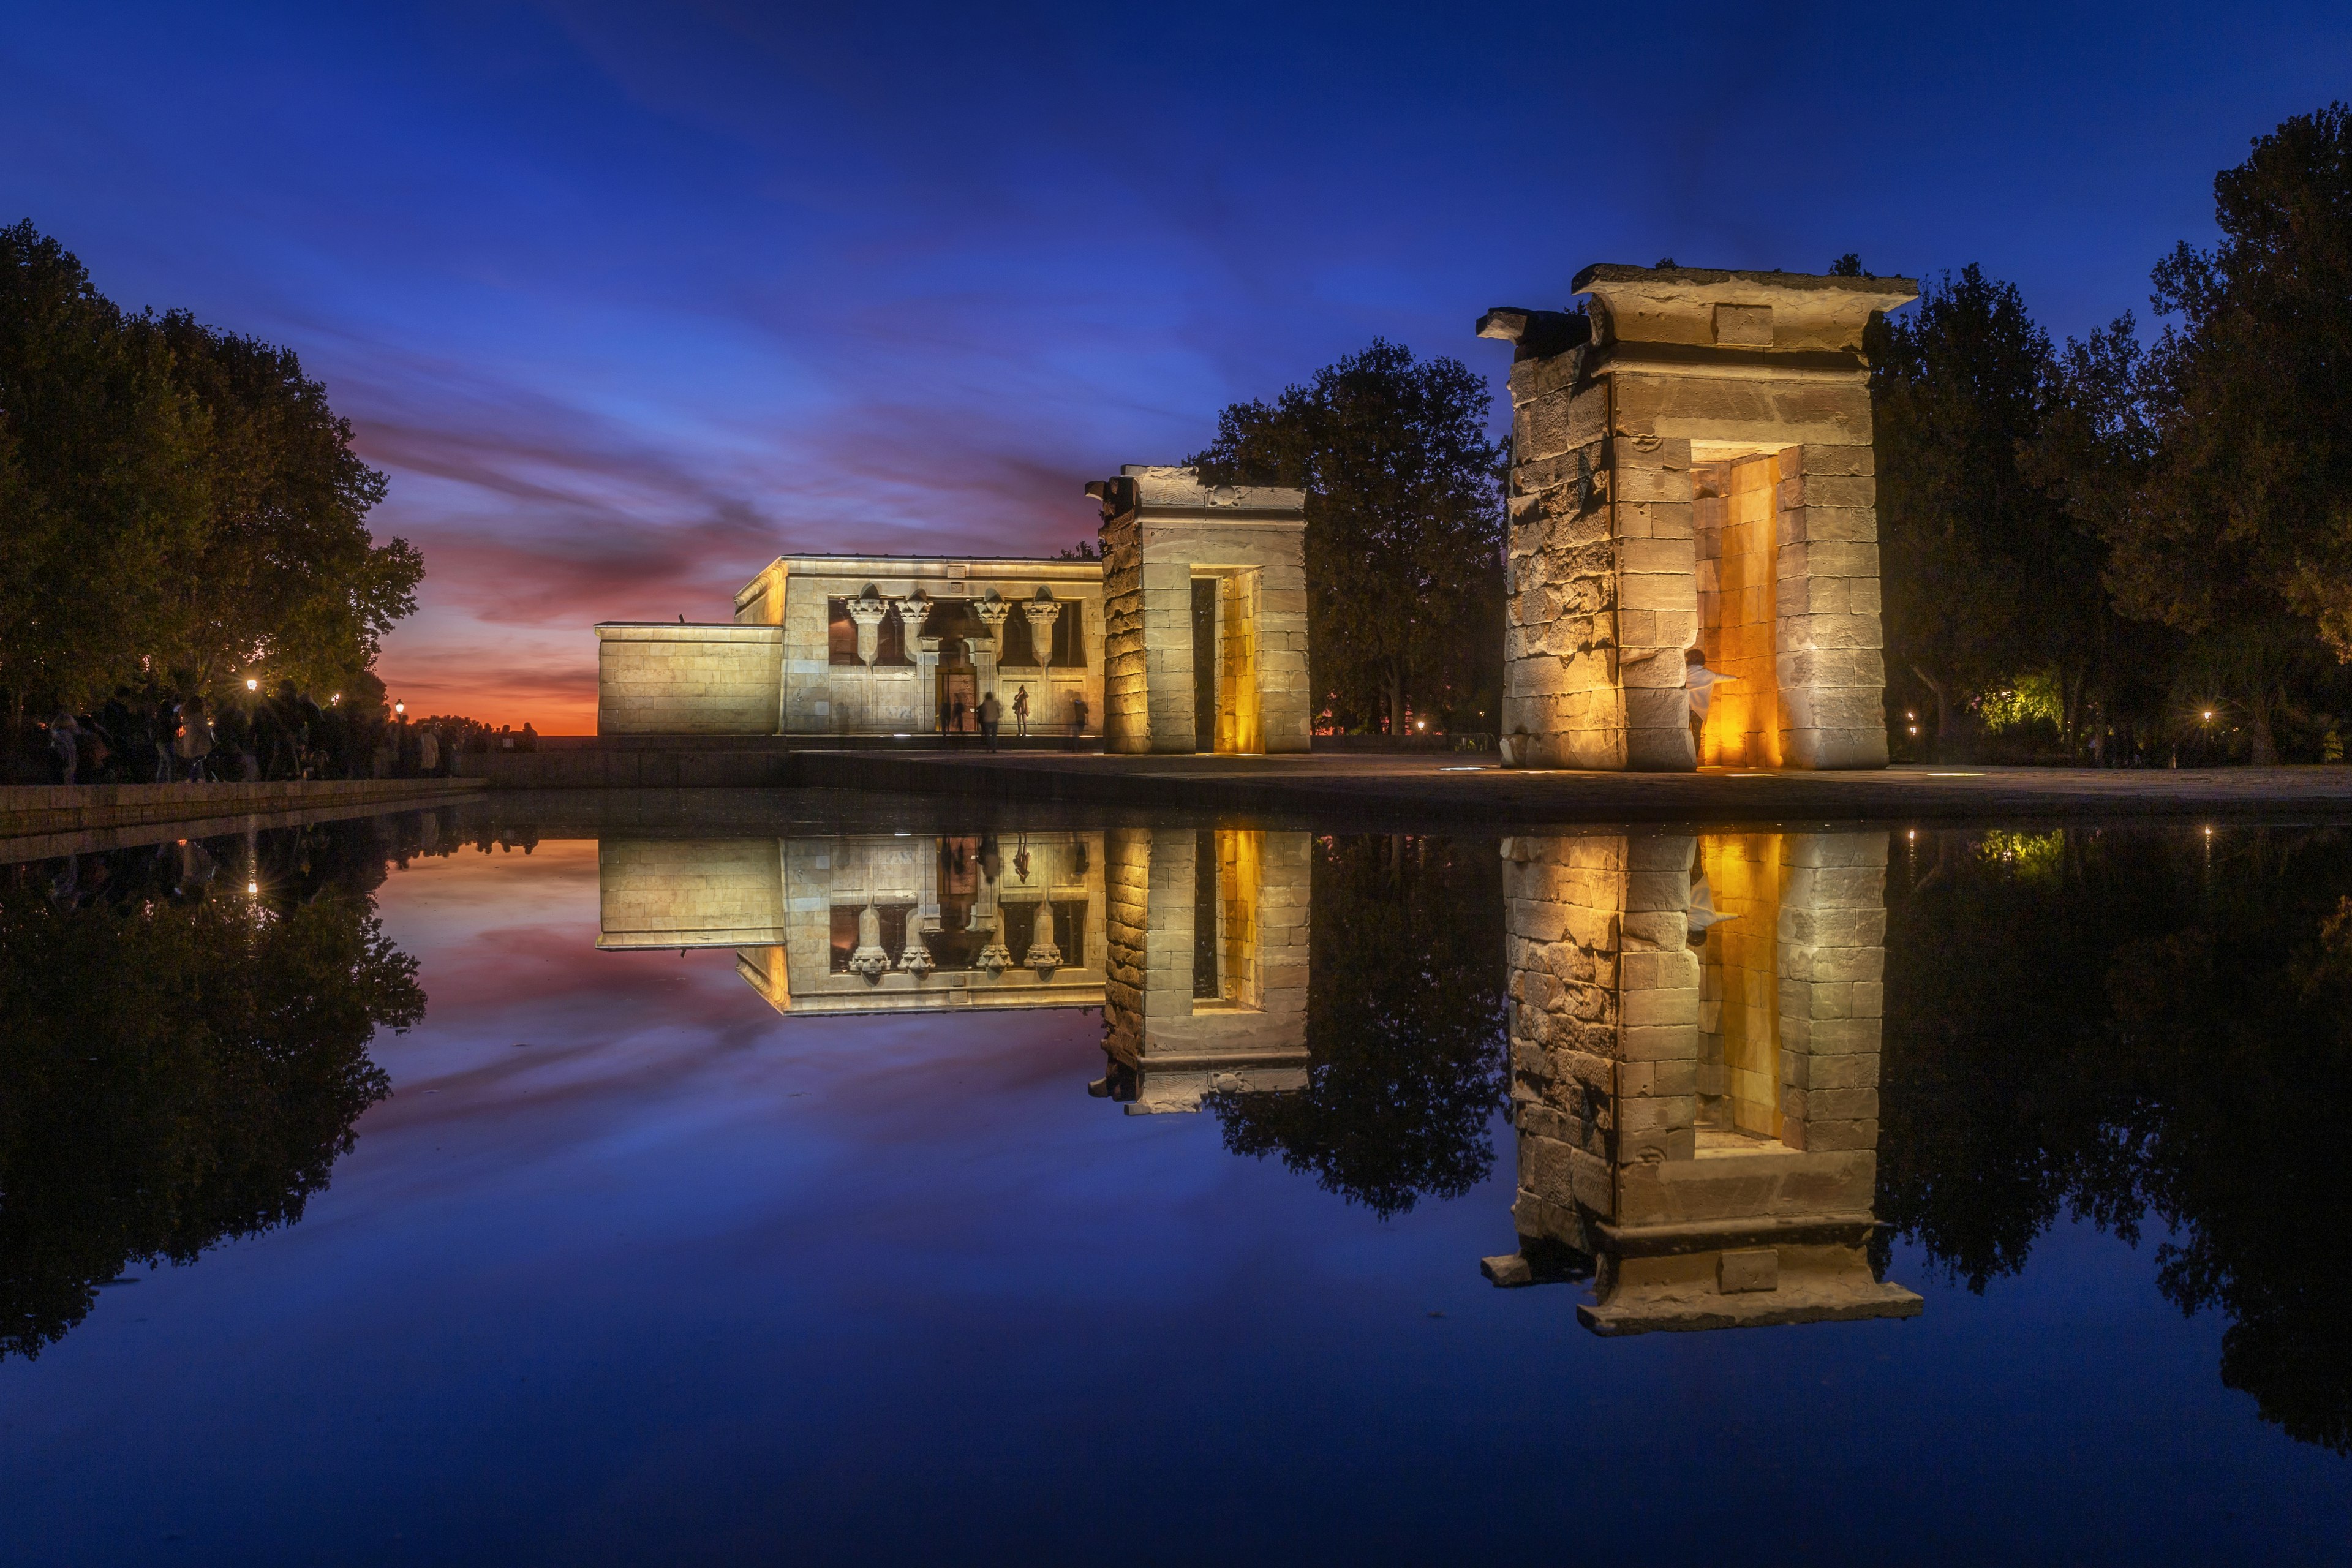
{"x":2131,"y":1027}
{"x":1404,"y":1025}
{"x":181,"y":1059}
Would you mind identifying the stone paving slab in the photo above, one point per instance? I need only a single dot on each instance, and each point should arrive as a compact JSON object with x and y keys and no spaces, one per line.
{"x":1466,"y":788}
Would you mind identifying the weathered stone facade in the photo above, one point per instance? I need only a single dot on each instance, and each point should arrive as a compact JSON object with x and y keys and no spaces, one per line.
{"x":1205,"y":990}
{"x":1697,"y":1114}
{"x":850,"y":645}
{"x":1654,"y":433}
{"x":657,"y":679}
{"x":1205,"y":615}
{"x":1189,"y":635}
{"x":1193,"y":943}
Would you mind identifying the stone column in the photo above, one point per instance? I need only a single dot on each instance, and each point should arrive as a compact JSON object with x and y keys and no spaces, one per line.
{"x":1042,"y":611}
{"x":988,"y":649}
{"x":867,"y":610}
{"x":988,"y":916}
{"x":1044,"y":956}
{"x":870,"y":958}
{"x":911,"y":612}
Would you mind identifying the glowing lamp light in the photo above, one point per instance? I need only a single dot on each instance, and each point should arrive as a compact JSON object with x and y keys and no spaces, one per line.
{"x":401,"y":709}
{"x":253,"y":886}
{"x":338,"y":697}
{"x":251,"y":684}
{"x":2209,"y":715}
{"x":1423,"y":724}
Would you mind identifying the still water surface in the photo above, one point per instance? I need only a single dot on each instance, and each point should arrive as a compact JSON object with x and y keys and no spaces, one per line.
{"x":444,"y":1188}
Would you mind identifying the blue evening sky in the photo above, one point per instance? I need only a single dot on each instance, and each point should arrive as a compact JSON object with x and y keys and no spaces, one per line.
{"x":628,"y":299}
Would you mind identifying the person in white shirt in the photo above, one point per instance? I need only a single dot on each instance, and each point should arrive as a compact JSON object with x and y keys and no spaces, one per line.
{"x":1699,"y":681}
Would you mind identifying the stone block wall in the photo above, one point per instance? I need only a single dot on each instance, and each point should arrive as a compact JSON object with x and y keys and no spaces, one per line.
{"x":1184,"y":1046}
{"x":817,"y":696}
{"x":685,"y":680}
{"x":1126,"y":701}
{"x":1832,"y":668}
{"x":1560,"y":639}
{"x":688,"y":892}
{"x":1614,"y":1021}
{"x":1161,"y":530}
{"x":1612,"y":577}
{"x":1832,"y":966}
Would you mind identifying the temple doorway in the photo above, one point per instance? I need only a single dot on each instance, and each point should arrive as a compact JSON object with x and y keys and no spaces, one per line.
{"x":1734,"y":523}
{"x":958,"y":683}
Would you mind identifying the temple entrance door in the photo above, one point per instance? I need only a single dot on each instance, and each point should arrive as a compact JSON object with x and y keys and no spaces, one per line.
{"x":1205,"y":664}
{"x":961,"y":682}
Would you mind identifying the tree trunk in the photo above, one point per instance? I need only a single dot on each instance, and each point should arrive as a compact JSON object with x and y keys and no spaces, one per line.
{"x":1396,"y":694}
{"x":2265,"y":753}
{"x":1943,"y":711}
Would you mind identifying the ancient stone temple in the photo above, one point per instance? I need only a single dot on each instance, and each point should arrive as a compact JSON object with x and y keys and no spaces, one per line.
{"x":1193,"y":944}
{"x":1694,"y":1035}
{"x":1190,"y":635}
{"x":872,"y":645}
{"x":1692,"y":474}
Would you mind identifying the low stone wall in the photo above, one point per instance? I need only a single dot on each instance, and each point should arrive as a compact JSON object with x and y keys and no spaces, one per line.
{"x":28,"y":809}
{"x":660,"y":679}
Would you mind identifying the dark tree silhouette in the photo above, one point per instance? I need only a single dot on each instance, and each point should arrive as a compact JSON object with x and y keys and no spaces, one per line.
{"x":1404,"y":1028}
{"x":182,"y":1064}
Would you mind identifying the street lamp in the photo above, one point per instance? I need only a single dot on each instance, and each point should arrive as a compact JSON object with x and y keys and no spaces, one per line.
{"x":252,"y":684}
{"x":400,"y":710}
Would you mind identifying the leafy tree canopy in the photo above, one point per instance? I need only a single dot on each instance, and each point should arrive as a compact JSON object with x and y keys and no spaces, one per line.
{"x":175,"y":502}
{"x":1403,"y":527}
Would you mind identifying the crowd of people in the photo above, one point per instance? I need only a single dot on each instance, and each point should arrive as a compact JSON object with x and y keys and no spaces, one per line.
{"x":160,"y":737}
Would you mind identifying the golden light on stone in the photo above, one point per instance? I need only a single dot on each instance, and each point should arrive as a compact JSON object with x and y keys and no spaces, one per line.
{"x":1693,"y":471}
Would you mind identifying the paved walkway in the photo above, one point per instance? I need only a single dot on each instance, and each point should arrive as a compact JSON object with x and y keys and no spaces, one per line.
{"x":1469,"y":788}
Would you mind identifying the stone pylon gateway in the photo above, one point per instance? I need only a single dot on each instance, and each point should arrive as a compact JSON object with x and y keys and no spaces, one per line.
{"x":1204,"y":614}
{"x":1692,"y":471}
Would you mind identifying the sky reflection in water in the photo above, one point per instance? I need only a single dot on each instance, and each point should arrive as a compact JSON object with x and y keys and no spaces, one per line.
{"x":629,"y":1267}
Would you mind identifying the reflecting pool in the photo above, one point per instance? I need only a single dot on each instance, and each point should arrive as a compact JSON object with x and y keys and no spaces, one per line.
{"x":868,"y":1182}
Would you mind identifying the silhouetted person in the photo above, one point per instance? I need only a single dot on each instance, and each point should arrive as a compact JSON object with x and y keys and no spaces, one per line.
{"x":193,"y":744}
{"x":1077,"y":719}
{"x":529,"y":737}
{"x":957,"y":709}
{"x":1021,"y":711}
{"x":991,"y":715}
{"x":65,"y":744}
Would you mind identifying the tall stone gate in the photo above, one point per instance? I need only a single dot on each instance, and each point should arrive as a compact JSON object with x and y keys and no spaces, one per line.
{"x":1692,"y":469}
{"x":1204,"y":614}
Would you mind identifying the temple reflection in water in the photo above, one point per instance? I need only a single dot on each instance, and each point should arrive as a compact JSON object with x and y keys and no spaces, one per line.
{"x":1693,"y":1021}
{"x":1193,"y":944}
{"x":1695,"y":1040}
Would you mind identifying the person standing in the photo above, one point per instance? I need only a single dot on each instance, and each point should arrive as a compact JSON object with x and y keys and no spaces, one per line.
{"x":956,"y":712}
{"x":428,"y":752}
{"x":166,"y":729}
{"x":1077,"y":719}
{"x":1021,"y":713}
{"x":193,"y":744}
{"x":991,"y":715}
{"x":65,"y":741}
{"x":1700,"y":682}
{"x":943,"y":718}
